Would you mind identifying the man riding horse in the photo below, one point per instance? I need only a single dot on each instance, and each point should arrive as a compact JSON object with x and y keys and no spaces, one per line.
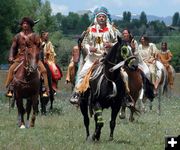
{"x":99,"y":39}
{"x":48,"y":56}
{"x":23,"y":40}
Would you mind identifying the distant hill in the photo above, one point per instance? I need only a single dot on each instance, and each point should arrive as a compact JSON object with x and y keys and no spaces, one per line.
{"x":167,"y":20}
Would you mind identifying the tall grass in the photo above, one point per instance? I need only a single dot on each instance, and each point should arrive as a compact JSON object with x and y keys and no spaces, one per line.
{"x":63,"y":129}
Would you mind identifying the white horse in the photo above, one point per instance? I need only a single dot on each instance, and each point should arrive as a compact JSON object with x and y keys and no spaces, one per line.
{"x":162,"y":77}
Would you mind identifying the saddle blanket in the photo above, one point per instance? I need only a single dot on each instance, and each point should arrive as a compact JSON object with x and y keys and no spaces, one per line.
{"x":55,"y":70}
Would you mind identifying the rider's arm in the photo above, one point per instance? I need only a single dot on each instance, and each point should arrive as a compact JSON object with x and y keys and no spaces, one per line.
{"x":88,"y":43}
{"x":13,"y":50}
{"x":169,"y":56}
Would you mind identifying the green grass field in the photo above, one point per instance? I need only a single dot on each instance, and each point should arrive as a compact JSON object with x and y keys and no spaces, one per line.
{"x":64,"y":129}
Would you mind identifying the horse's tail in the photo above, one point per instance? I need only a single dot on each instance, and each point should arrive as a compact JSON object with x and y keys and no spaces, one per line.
{"x":165,"y":81}
{"x":148,"y":87}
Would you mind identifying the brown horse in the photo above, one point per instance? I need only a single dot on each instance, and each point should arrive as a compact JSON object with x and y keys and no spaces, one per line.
{"x":135,"y":84}
{"x":26,"y":83}
{"x":139,"y":88}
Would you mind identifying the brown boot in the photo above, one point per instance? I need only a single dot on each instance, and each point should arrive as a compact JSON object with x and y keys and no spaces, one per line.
{"x":9,"y":94}
{"x":45,"y":93}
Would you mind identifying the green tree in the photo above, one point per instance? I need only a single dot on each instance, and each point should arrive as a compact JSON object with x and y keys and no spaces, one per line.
{"x":59,"y":19}
{"x":8,"y":17}
{"x":84,"y":22}
{"x":127,"y":16}
{"x":70,"y":23}
{"x":175,"y":19}
{"x":143,"y":18}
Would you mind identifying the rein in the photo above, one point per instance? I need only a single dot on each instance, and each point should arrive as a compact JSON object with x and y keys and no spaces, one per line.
{"x":26,"y":66}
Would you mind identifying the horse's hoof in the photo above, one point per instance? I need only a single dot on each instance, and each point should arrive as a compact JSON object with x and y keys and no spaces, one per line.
{"x":111,"y":138}
{"x":22,"y":126}
{"x":150,"y":107}
{"x":122,"y":116}
{"x":31,"y":125}
{"x":95,"y":137}
{"x":27,"y":126}
{"x":131,"y":119}
{"x":89,"y":139}
{"x":159,"y":112}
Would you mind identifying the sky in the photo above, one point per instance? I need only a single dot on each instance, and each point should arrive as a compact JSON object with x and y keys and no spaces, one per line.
{"x":161,"y":8}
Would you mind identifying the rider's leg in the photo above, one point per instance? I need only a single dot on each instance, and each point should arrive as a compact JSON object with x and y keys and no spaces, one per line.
{"x":9,"y":78}
{"x":125,"y":79}
{"x":78,"y":85}
{"x":70,"y":71}
{"x":170,"y":76}
{"x":128,"y":100}
{"x":43,"y":71}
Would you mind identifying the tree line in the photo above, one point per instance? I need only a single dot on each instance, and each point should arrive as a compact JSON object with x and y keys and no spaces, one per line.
{"x":65,"y":30}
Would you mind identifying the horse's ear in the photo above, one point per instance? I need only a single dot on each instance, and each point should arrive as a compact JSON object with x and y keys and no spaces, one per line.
{"x":119,"y":39}
{"x":36,"y":21}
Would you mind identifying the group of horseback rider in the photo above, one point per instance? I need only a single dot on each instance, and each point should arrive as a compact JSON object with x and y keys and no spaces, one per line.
{"x":98,"y":40}
{"x":95,"y":43}
{"x":27,"y":39}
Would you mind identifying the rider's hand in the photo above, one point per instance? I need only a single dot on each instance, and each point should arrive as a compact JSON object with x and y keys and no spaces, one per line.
{"x":92,"y":49}
{"x":133,"y":44}
{"x":11,"y":59}
{"x":107,"y":45}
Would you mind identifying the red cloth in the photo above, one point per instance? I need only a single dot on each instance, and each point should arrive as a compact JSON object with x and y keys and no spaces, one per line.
{"x":55,"y":71}
{"x":100,"y":30}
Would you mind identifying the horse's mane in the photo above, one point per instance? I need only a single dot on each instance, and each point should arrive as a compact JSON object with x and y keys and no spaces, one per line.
{"x":112,"y":52}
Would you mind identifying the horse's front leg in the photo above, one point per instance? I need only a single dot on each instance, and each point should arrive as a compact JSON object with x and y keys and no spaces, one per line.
{"x":159,"y":100}
{"x":122,"y":114}
{"x":35,"y":108}
{"x":84,"y":111}
{"x":114,"y":113}
{"x":28,"y":110}
{"x":43,"y":101}
{"x":98,"y":122}
{"x":21,"y":112}
{"x":51,"y":97}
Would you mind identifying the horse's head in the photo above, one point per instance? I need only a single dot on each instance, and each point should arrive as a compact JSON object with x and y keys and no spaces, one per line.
{"x":119,"y":52}
{"x":31,"y":59}
{"x":120,"y":55}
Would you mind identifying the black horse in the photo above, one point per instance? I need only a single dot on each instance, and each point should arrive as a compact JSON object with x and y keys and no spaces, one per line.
{"x":44,"y":100}
{"x":52,"y":89}
{"x":107,"y":89}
